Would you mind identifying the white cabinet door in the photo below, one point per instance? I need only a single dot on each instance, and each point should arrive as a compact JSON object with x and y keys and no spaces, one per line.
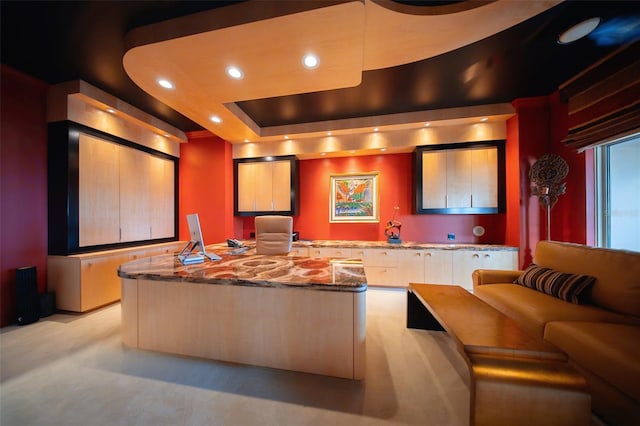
{"x":381,"y":267}
{"x":438,"y":266}
{"x":434,"y":179}
{"x":467,"y":261}
{"x":135,"y":187}
{"x":458,"y":178}
{"x":411,"y":265}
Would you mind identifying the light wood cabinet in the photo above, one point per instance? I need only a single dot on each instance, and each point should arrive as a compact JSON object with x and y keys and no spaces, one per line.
{"x":106,"y":192}
{"x":341,"y":253}
{"x":460,"y":178}
{"x":381,"y":266}
{"x":265,"y":186}
{"x":438,"y":266}
{"x":87,"y":281}
{"x":467,"y":261}
{"x":98,"y":210}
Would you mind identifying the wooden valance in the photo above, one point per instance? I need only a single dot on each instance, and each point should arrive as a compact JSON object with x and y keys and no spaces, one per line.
{"x":604,"y":100}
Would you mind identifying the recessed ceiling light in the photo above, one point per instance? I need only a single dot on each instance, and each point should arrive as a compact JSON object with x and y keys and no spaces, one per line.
{"x":286,"y":137}
{"x":383,"y":149}
{"x":323,"y":153}
{"x":579,"y":31}
{"x":166,"y":135}
{"x":353,"y":151}
{"x":234,"y":72}
{"x":484,"y":119}
{"x":246,"y":140}
{"x":310,"y":61}
{"x":427,"y":124}
{"x":111,"y":110}
{"x":216,"y":119}
{"x":329,"y":133}
{"x":163,"y":82}
{"x":375,"y":129}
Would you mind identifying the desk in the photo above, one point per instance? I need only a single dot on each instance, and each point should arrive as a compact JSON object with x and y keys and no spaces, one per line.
{"x":293,"y":313}
{"x":515,"y":377}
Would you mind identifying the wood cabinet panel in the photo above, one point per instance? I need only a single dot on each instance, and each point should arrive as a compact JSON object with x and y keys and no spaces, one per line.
{"x":162,"y":198}
{"x":434,"y":179}
{"x":458,"y":182}
{"x":135,"y":187}
{"x":484,"y":177}
{"x":246,"y":187}
{"x":281,"y":185}
{"x":343,"y":253}
{"x":98,"y":209}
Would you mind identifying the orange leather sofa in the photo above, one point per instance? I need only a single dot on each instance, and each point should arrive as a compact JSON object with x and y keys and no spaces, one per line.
{"x":600,"y":335}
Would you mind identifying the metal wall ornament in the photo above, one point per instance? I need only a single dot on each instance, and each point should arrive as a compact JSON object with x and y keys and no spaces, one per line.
{"x":547,"y":174}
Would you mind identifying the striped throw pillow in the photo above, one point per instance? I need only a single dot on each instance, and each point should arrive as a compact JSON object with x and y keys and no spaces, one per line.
{"x":568,"y":287}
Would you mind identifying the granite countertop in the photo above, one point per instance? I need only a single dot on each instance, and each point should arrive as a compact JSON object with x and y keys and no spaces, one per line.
{"x":247,"y":269}
{"x":403,"y":245}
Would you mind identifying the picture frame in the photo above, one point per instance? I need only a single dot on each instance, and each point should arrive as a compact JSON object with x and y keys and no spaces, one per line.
{"x":354,"y":198}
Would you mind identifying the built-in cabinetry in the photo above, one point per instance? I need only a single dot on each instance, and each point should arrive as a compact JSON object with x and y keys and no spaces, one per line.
{"x":105,"y":192}
{"x":82,"y":282}
{"x":460,"y":178}
{"x":397,"y":267}
{"x":265,"y":185}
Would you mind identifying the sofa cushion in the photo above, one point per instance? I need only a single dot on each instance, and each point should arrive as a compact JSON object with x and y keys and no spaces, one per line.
{"x":610,"y":351}
{"x":533,"y":309}
{"x":568,"y":287}
{"x":617,"y":272}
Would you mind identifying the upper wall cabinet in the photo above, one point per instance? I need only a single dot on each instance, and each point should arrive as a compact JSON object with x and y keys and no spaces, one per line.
{"x":105,"y":192}
{"x":463,"y":178}
{"x":265,"y":186}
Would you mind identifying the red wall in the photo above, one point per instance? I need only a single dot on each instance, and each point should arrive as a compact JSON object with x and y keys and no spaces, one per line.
{"x":23,"y":172}
{"x":395,"y":189}
{"x":206,"y":186}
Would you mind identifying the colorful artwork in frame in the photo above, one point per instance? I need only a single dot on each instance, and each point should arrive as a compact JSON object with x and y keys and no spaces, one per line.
{"x":354,"y":198}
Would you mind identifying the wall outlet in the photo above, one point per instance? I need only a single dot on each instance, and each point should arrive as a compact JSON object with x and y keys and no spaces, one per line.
{"x":252,"y":234}
{"x":451,"y":236}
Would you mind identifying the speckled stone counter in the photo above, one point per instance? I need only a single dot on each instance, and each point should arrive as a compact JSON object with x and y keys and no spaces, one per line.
{"x":294,"y":313}
{"x":404,"y":245}
{"x":253,"y":270}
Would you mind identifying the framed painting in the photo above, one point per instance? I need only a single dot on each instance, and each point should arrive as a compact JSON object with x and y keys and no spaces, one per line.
{"x":354,"y":198}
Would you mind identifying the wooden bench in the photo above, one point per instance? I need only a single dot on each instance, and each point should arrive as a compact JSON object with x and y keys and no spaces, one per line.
{"x":515,"y":378}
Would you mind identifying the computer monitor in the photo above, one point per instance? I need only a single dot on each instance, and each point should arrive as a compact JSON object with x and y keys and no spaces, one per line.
{"x":195,"y":233}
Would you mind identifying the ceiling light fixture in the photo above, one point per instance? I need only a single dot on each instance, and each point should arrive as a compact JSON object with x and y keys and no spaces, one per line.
{"x":234,"y":72}
{"x":246,"y":141}
{"x":383,"y":149}
{"x":579,"y":31}
{"x":375,"y":129}
{"x":216,"y":119}
{"x":310,"y":61}
{"x":483,"y":119}
{"x":329,"y":133}
{"x":286,"y":137}
{"x":163,"y":82}
{"x":111,"y":110}
{"x":427,"y":124}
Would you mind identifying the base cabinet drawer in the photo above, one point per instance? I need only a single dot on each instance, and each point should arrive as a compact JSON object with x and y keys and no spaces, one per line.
{"x":382,"y":276}
{"x":330,"y":252}
{"x":299,"y":251}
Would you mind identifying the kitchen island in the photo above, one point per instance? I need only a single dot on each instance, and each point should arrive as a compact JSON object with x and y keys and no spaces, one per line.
{"x":294,"y":313}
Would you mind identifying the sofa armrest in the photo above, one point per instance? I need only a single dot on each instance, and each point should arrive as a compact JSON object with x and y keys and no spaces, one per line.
{"x":493,"y":276}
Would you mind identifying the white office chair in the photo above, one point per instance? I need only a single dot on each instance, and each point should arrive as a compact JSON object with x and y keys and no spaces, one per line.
{"x":273,"y":234}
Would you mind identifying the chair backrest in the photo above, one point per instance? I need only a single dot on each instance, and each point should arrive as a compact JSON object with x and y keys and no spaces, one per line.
{"x":273,"y":234}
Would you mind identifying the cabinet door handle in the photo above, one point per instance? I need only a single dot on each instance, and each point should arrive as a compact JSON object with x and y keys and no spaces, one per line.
{"x":420,"y":254}
{"x":476,"y":255}
{"x":428,"y":254}
{"x":486,"y":256}
{"x":384,"y":253}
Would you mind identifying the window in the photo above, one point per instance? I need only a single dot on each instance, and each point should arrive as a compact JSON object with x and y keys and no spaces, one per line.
{"x":618,"y":194}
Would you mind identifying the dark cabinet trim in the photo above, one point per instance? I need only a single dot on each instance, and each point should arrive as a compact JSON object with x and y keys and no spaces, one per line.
{"x":417,"y":178}
{"x":294,"y":185}
{"x":63,"y":188}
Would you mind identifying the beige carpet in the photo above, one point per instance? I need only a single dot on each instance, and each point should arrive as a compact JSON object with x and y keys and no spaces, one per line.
{"x":73,"y":370}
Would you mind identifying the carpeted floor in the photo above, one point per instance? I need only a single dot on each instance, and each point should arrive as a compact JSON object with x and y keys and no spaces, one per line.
{"x":72,"y":369}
